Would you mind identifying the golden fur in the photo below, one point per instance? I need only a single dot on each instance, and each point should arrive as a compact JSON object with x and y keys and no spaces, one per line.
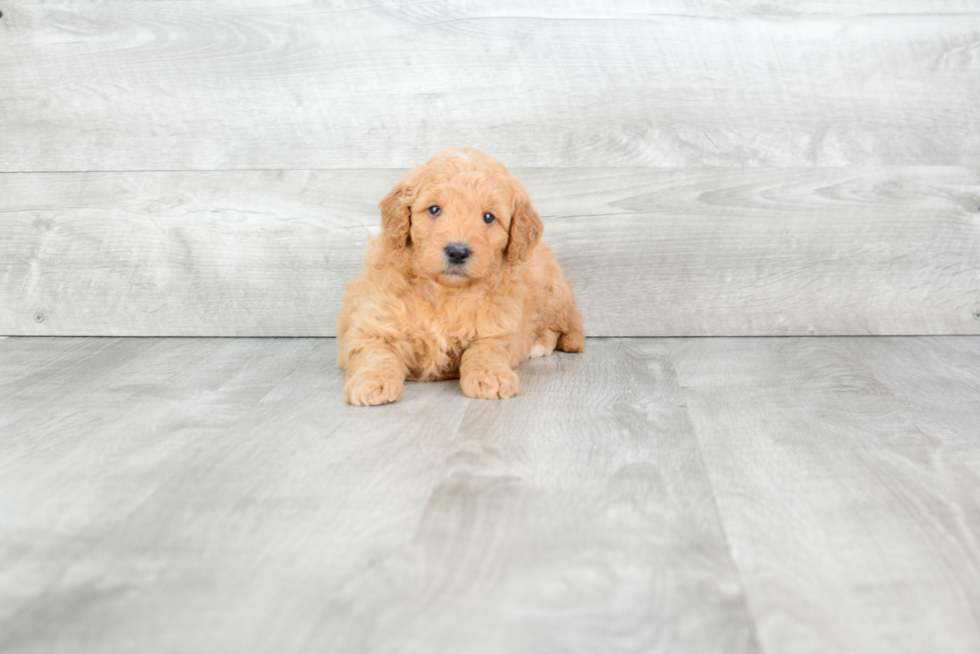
{"x":415,"y":314}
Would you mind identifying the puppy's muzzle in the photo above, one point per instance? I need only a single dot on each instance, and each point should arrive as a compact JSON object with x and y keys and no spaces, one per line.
{"x":457,"y":253}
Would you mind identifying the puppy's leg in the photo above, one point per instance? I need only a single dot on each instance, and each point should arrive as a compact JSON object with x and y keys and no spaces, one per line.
{"x":572,"y":338}
{"x":375,"y":375}
{"x":484,"y":371}
{"x":544,"y":345}
{"x":572,"y":341}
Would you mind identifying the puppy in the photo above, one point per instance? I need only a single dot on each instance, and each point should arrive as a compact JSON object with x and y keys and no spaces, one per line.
{"x":458,"y":284}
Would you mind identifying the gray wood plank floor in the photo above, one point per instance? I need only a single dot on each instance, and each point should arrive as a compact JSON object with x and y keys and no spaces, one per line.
{"x":650,"y":495}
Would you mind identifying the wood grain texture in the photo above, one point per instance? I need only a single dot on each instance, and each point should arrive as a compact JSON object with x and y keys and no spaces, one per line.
{"x":91,"y":429}
{"x":574,"y":518}
{"x":846,"y":473}
{"x":217,"y":495}
{"x":650,"y":252}
{"x":937,"y":379}
{"x":185,"y":254}
{"x":88,"y":86}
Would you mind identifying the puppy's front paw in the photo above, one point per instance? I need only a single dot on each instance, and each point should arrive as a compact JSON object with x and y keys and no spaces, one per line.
{"x":490,"y":384}
{"x":368,"y":388}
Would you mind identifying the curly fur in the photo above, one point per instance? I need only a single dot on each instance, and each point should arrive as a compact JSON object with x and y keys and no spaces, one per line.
{"x":415,"y":315}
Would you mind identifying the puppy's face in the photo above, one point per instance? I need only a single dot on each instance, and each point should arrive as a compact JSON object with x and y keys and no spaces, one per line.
{"x":460,"y":226}
{"x":460,"y":218}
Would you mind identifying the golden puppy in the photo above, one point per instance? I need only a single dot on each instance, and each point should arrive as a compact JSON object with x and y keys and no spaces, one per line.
{"x":458,"y":284}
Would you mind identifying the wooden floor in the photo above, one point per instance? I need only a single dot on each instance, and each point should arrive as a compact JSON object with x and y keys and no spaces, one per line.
{"x":723,"y":495}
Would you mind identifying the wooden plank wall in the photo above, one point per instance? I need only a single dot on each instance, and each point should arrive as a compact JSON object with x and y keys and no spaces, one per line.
{"x":704,"y":167}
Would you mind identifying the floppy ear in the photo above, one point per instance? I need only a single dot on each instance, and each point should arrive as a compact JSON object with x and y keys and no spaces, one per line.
{"x":526,"y":228}
{"x":396,"y":211}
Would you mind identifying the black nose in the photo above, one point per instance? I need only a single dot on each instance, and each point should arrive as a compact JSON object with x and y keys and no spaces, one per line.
{"x":458,"y":253}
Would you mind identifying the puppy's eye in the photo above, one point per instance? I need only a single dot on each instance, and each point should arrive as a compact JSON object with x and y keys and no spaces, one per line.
{"x":435,"y":210}
{"x":488,"y":218}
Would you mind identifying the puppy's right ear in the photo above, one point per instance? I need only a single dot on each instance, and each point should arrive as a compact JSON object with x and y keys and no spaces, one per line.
{"x":396,"y":211}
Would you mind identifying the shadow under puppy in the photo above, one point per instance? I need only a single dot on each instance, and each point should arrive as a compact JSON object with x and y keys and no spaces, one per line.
{"x":458,"y":284}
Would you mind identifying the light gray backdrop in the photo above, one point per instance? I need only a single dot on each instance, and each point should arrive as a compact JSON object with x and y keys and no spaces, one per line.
{"x":703,"y":167}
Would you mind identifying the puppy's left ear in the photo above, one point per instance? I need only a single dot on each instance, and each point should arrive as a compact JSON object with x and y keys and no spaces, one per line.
{"x":526,"y":228}
{"x":396,"y":211}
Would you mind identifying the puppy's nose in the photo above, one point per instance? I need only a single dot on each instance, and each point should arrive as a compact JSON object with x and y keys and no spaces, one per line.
{"x":457,"y":253}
